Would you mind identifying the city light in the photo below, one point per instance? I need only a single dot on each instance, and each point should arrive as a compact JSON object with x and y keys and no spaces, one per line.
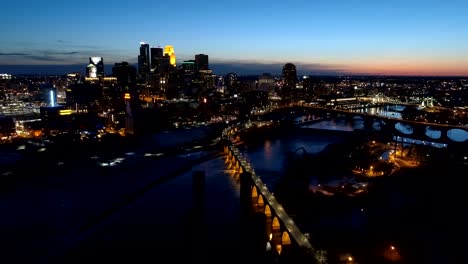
{"x":52,"y":98}
{"x":65,"y":112}
{"x":170,"y":100}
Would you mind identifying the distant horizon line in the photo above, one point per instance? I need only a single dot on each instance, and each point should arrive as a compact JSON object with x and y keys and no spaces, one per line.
{"x":57,"y":71}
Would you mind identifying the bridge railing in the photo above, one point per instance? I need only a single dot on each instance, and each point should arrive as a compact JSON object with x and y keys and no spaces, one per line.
{"x":242,"y":166}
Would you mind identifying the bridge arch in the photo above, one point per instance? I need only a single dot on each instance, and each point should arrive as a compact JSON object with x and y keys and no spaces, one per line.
{"x":254,"y":192}
{"x":457,"y":135}
{"x":260,"y":201}
{"x":285,"y":239}
{"x":275,"y":225}
{"x":279,"y":249}
{"x":267,"y":211}
{"x":405,"y":129}
{"x":433,"y":133}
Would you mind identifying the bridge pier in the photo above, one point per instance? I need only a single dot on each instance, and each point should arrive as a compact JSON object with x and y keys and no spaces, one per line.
{"x":265,"y":219}
{"x":420,"y":132}
{"x":444,"y":135}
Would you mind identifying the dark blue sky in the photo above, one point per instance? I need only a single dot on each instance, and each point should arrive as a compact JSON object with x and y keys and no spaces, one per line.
{"x":350,"y":36}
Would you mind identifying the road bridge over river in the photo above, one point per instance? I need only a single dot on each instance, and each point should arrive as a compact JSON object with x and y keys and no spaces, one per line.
{"x":418,"y":130}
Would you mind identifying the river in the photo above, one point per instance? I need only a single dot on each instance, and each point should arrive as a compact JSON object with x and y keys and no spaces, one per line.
{"x":408,"y":217}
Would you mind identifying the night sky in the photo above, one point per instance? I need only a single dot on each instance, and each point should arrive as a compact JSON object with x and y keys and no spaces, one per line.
{"x":388,"y":37}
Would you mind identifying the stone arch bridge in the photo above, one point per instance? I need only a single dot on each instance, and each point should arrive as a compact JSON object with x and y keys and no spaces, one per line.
{"x":280,"y":232}
{"x":417,"y":130}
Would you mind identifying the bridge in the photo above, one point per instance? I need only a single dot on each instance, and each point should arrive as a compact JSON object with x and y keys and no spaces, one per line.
{"x":388,"y":124}
{"x":282,"y":235}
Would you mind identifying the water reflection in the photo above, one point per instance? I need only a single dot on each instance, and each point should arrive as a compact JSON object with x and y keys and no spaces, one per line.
{"x":270,"y":166}
{"x":403,"y":128}
{"x":394,"y":111}
{"x":331,"y":125}
{"x":457,"y":135}
{"x":432,"y":133}
{"x":390,"y":111}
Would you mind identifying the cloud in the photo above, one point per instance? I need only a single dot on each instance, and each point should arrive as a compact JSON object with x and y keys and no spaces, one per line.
{"x":44,"y":57}
{"x":63,"y":53}
{"x":41,"y":69}
{"x":51,"y":56}
{"x":13,"y":54}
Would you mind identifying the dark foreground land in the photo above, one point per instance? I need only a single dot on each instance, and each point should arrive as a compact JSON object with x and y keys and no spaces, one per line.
{"x":146,"y":208}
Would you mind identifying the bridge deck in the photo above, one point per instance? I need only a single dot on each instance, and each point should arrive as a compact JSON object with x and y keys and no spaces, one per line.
{"x":293,"y":230}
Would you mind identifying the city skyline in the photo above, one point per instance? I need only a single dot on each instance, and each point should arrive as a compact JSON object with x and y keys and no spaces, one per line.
{"x":423,"y":38}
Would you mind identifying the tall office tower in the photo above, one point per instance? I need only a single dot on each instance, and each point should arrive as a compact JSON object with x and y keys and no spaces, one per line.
{"x":289,"y":80}
{"x":201,"y":62}
{"x":95,"y":67}
{"x":232,"y":84}
{"x":169,"y":51}
{"x":307,"y":86}
{"x":156,"y":57}
{"x":188,"y":66}
{"x":266,"y":83}
{"x":144,"y":59}
{"x":91,"y":71}
{"x":125,"y":73}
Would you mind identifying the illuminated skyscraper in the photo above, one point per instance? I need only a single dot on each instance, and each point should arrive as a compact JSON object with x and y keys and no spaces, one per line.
{"x":169,"y":51}
{"x":91,"y":71}
{"x":144,"y":59}
{"x":95,"y":67}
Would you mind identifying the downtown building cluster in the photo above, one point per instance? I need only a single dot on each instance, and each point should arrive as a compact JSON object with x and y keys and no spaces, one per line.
{"x":157,"y":75}
{"x":159,"y":92}
{"x":145,"y":96}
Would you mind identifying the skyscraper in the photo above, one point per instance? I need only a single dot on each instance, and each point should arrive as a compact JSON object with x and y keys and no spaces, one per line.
{"x":201,"y":62}
{"x":188,"y":66}
{"x":144,"y":59}
{"x":156,"y":57}
{"x":169,"y":51}
{"x":289,"y":80}
{"x":95,"y":67}
{"x":232,"y":84}
{"x":91,"y":71}
{"x":125,"y":73}
{"x":266,"y":83}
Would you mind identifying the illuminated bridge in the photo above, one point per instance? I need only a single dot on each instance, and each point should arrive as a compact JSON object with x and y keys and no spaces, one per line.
{"x":416,"y":129}
{"x":282,"y":236}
